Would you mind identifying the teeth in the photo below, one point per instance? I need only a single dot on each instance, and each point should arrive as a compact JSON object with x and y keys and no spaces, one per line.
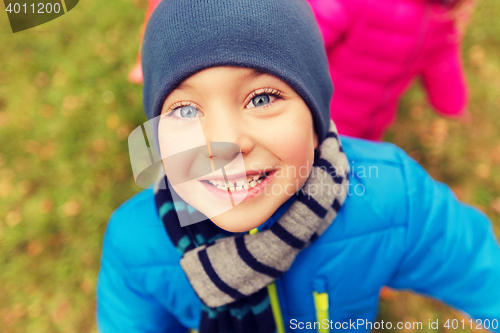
{"x":239,"y":185}
{"x":253,"y":178}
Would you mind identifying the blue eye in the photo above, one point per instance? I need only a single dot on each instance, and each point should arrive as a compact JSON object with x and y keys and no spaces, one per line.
{"x":264,"y":98}
{"x":260,"y":100}
{"x":184,"y":113}
{"x":187,"y":112}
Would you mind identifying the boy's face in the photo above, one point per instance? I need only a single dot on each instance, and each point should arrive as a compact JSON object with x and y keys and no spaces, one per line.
{"x":231,"y":107}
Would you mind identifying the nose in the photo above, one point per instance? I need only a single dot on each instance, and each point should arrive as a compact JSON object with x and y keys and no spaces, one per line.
{"x":223,"y":153}
{"x":227,"y":133}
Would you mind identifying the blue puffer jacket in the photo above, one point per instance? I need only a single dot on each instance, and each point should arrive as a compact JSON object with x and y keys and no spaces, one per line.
{"x":398,"y":227}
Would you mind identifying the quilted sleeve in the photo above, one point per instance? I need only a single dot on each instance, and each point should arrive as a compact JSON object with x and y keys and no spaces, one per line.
{"x":122,"y":305}
{"x":452,"y":252}
{"x":444,"y":81}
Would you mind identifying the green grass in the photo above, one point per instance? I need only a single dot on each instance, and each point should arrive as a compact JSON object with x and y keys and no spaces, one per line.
{"x":66,"y":110}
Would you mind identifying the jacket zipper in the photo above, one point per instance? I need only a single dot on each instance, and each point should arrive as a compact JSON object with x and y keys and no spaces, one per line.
{"x":276,"y":307}
{"x":321,"y":305}
{"x":272,"y":291}
{"x":321,"y":302}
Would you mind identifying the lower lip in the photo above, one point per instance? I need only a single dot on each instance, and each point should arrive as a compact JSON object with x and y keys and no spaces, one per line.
{"x":240,"y":196}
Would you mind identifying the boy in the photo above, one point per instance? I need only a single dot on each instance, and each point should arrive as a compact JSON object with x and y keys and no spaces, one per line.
{"x":330,"y":222}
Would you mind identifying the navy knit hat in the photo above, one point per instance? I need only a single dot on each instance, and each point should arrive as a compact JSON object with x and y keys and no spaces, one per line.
{"x":279,"y":37}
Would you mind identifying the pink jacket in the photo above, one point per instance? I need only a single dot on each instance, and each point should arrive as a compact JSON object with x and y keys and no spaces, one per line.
{"x":376,"y":47}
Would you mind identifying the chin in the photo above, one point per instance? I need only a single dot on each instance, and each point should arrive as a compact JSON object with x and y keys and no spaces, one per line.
{"x":237,"y":222}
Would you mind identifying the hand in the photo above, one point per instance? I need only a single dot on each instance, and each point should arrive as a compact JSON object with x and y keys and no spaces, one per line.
{"x":135,"y":75}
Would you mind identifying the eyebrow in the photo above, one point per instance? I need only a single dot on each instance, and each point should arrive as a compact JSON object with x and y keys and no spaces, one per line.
{"x":183,"y":85}
{"x":255,"y":73}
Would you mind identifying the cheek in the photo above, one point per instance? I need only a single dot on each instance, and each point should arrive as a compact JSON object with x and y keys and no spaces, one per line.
{"x":187,"y":165}
{"x":174,"y":138}
{"x":294,"y":146}
{"x":295,"y":140}
{"x":297,"y":151}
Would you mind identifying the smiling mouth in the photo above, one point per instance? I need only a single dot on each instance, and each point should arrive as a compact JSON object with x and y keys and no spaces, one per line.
{"x":239,"y":185}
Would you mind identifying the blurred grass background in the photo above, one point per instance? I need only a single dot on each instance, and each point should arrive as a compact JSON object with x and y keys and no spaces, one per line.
{"x":66,"y":110}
